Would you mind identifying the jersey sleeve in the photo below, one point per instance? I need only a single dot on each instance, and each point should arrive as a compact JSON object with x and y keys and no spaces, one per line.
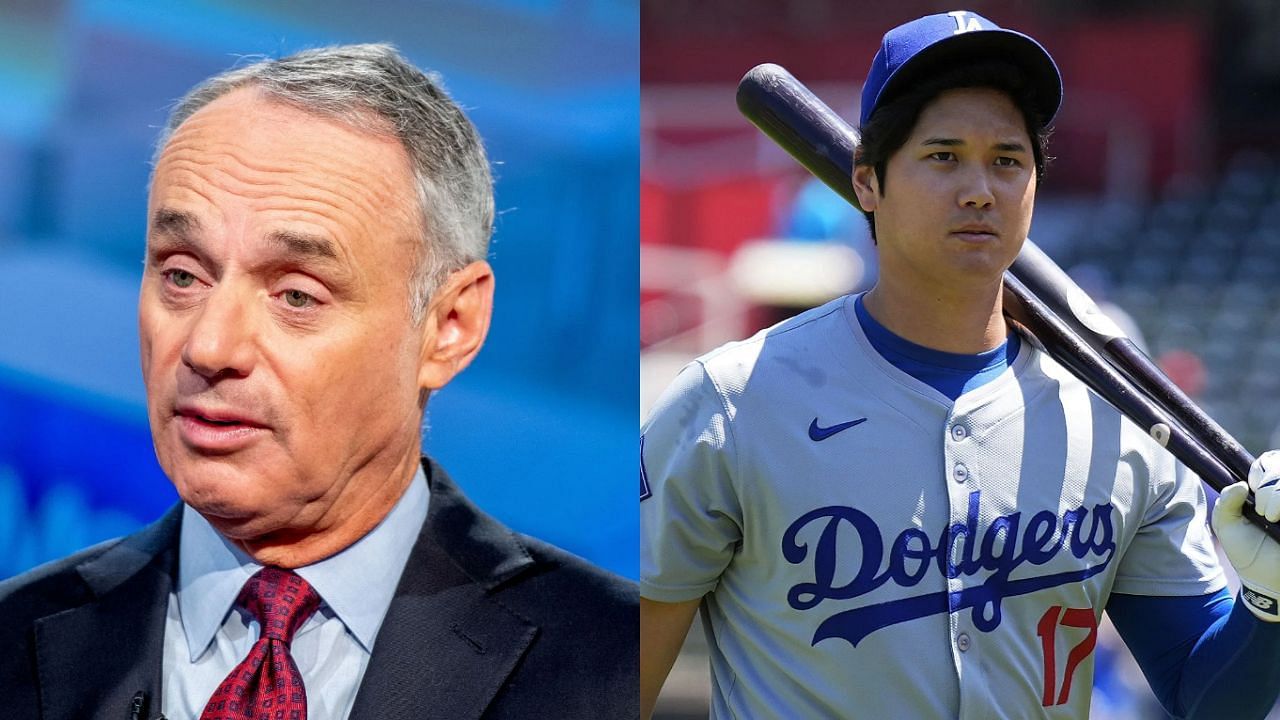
{"x":690,"y":514}
{"x":1172,"y":552}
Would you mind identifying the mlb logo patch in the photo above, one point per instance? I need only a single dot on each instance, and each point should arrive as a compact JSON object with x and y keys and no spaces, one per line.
{"x":1260,"y":602}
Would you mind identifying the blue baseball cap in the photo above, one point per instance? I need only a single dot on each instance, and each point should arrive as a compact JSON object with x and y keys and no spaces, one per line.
{"x":929,"y":44}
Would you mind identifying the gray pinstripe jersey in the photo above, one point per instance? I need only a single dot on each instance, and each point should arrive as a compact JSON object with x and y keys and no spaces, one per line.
{"x":936,"y":559}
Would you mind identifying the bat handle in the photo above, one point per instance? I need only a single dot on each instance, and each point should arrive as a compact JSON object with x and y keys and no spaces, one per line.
{"x":1217,"y":441}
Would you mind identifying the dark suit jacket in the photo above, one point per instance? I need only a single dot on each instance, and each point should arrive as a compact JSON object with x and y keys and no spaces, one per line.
{"x":485,"y":623}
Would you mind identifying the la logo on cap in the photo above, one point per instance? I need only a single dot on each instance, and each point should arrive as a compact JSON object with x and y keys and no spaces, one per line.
{"x":964,"y":21}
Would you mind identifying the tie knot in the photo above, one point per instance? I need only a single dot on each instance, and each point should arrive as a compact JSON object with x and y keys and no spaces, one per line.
{"x":280,"y":600}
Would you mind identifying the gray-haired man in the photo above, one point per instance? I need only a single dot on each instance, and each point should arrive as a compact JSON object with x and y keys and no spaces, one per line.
{"x":317,"y":227}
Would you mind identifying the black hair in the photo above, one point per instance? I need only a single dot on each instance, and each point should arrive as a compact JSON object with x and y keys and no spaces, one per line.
{"x":888,"y":128}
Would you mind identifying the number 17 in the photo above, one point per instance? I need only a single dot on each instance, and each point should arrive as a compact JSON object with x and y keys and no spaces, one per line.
{"x":1047,"y":630}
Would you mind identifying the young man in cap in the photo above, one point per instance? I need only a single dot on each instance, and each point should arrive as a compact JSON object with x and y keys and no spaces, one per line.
{"x":895,"y":506}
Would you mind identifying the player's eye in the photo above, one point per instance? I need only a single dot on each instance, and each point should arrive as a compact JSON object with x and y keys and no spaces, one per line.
{"x":1005,"y":161}
{"x":298,"y":299}
{"x":943,"y":155}
{"x":180,"y":278}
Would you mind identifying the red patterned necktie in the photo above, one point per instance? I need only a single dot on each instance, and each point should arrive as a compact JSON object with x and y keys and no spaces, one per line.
{"x":266,"y":685}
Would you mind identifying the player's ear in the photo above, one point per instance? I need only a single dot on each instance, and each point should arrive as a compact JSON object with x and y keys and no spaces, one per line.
{"x":866,"y":186}
{"x":455,"y":325}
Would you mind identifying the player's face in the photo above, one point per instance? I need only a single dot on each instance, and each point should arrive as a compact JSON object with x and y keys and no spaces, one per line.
{"x":280,"y":358}
{"x":958,"y":194}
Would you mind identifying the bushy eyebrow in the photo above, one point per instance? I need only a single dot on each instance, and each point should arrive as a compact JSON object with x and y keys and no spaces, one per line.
{"x":178,"y":231}
{"x":174,"y":222}
{"x":172,"y":231}
{"x":303,"y":244}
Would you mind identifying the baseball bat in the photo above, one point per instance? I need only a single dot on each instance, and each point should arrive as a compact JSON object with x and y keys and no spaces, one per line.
{"x":799,"y":122}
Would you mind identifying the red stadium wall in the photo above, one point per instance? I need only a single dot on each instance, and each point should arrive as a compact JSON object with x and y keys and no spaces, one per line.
{"x":1154,"y":69}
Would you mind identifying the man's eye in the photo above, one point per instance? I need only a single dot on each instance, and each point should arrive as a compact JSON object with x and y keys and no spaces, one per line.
{"x":1007,"y":162}
{"x":297,"y":298}
{"x":181,"y":278}
{"x":943,"y":155}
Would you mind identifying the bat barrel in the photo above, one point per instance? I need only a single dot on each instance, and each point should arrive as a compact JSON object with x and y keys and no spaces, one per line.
{"x":1133,"y":361}
{"x":794,"y":118}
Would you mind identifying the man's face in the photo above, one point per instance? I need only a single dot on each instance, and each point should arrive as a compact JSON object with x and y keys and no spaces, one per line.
{"x":281,"y":364}
{"x":959,"y":193}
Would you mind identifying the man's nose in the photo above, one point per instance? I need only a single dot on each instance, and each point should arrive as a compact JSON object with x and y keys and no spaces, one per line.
{"x":220,"y":342}
{"x":975,"y":189}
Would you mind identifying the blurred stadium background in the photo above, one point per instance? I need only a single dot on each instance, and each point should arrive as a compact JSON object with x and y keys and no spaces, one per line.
{"x":1164,"y":198}
{"x":538,"y":430}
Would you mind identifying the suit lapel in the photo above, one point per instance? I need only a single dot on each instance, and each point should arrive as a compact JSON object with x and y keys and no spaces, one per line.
{"x":93,"y":658}
{"x":447,"y":645}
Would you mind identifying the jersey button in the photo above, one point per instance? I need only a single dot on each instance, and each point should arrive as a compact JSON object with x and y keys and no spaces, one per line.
{"x":958,"y":432}
{"x":960,"y":473}
{"x":962,"y":642}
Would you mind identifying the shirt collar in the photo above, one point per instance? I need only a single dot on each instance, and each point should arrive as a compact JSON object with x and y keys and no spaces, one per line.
{"x":357,"y":584}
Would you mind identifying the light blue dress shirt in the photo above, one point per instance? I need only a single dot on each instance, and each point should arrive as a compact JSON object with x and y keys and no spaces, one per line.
{"x":205,"y":637}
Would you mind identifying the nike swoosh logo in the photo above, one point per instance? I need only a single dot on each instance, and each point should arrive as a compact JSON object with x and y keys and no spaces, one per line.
{"x":818,"y":434}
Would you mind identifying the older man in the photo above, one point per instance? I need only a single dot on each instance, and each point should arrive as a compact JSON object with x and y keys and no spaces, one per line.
{"x":314,"y":270}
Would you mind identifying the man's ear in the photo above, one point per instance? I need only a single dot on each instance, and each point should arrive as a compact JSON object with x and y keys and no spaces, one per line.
{"x":866,"y":186}
{"x":456,"y":324}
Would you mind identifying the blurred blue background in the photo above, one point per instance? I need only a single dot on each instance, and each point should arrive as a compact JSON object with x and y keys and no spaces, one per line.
{"x":539,"y":431}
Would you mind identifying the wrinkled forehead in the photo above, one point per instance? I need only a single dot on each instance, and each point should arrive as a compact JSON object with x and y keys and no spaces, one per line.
{"x":246,"y":152}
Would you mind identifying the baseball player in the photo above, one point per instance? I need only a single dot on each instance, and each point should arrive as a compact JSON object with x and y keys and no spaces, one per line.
{"x":895,"y":506}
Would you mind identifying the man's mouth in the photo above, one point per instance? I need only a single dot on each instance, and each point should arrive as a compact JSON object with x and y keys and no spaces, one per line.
{"x":211,"y":421}
{"x":218,"y":416}
{"x":209,"y":430}
{"x":975,"y":231}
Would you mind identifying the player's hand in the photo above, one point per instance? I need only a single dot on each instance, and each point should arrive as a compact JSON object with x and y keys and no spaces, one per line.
{"x":1255,"y":557}
{"x":1264,"y":481}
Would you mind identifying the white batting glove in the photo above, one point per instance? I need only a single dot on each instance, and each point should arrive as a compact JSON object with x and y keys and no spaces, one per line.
{"x":1255,"y":557}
